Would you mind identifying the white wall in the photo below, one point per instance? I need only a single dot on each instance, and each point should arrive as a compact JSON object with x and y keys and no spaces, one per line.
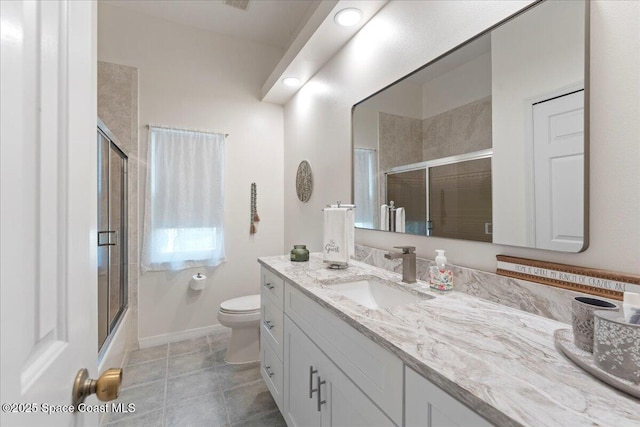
{"x":523,"y":54}
{"x":405,"y":35}
{"x":196,"y":79}
{"x":365,"y":128}
{"x":404,"y":100}
{"x":469,"y":82}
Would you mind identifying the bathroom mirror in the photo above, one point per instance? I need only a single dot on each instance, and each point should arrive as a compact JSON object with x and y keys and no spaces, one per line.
{"x":487,"y":142}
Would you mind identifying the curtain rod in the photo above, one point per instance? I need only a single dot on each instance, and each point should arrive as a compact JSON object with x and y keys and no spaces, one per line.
{"x":188,"y":130}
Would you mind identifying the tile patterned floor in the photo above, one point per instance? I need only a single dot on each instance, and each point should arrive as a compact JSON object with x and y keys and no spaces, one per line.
{"x":188,"y":384}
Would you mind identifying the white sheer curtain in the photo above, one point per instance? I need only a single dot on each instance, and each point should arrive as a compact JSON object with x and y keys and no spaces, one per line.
{"x":365,"y":165}
{"x":184,"y":200}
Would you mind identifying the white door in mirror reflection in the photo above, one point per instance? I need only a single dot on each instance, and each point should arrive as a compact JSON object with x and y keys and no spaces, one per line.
{"x":558,"y":145}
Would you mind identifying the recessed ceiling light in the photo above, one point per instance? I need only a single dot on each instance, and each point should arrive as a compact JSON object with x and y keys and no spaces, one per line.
{"x":291,"y":81}
{"x":348,"y":17}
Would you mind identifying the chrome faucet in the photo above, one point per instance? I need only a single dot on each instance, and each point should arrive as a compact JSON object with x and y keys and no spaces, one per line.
{"x":408,"y":256}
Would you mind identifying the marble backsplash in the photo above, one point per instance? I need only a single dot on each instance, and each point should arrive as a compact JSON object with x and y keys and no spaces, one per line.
{"x":542,"y":300}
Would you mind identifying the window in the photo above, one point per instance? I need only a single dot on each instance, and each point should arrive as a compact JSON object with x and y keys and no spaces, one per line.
{"x":184,"y":203}
{"x":365,"y":187}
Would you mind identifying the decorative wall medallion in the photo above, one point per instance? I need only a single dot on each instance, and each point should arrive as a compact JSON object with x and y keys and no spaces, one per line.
{"x":304,"y":181}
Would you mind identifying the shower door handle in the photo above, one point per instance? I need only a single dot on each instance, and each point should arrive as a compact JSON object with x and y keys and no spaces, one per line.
{"x":106,"y":235}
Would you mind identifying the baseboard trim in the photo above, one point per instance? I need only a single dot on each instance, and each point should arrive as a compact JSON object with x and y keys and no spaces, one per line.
{"x":179,"y":336}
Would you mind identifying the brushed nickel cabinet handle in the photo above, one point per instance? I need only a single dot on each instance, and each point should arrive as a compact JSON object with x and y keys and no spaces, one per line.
{"x":311,"y":389}
{"x":268,"y":369}
{"x":268,"y":324}
{"x":320,"y":401}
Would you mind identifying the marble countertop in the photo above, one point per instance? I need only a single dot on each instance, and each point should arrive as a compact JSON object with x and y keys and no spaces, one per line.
{"x":500,"y":361}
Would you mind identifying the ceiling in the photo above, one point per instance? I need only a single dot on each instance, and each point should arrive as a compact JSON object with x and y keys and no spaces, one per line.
{"x":304,"y":29}
{"x":271,"y":22}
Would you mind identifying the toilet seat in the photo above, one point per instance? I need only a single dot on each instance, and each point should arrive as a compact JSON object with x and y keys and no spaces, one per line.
{"x":241,"y":305}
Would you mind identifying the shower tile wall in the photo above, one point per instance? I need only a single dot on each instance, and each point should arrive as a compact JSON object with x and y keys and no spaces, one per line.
{"x":118,"y":109}
{"x":405,"y":140}
{"x":462,"y":130}
{"x":399,"y":143}
{"x":400,"y":140}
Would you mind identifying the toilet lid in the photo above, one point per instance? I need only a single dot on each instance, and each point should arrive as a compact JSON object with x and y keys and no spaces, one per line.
{"x":241,"y":305}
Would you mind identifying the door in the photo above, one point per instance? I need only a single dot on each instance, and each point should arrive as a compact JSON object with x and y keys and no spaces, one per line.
{"x":112,"y":234}
{"x":48,"y":201}
{"x":558,"y":145}
{"x":460,"y":205}
{"x":408,"y":190}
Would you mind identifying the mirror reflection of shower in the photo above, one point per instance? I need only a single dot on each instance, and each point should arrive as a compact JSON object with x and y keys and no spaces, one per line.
{"x":112,"y":235}
{"x":483,"y":95}
{"x":447,"y":197}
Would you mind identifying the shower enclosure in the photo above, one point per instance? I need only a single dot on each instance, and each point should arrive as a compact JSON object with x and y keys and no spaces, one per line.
{"x":112,"y":234}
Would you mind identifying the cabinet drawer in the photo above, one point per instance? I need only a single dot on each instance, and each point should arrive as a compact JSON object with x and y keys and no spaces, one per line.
{"x":272,"y":287}
{"x":272,"y":326}
{"x":272,"y":372}
{"x":375,"y":370}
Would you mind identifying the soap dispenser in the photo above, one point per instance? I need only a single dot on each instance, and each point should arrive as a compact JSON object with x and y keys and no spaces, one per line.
{"x":441,"y":276}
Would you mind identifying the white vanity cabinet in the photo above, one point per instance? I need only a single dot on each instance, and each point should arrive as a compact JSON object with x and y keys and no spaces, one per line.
{"x":323,"y":372}
{"x":373,"y":369}
{"x":317,"y":393}
{"x":272,"y":333}
{"x":429,"y":406}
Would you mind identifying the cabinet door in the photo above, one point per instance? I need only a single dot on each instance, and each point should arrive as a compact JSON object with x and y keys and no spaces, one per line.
{"x":374,"y":370}
{"x":429,"y":406}
{"x":346,"y":405}
{"x":301,"y":359}
{"x":340,"y":402}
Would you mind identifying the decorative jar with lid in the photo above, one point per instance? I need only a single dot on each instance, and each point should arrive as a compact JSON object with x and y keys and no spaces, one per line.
{"x":299,"y":253}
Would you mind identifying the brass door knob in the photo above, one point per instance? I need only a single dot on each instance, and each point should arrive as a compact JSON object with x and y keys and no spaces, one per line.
{"x":106,"y":388}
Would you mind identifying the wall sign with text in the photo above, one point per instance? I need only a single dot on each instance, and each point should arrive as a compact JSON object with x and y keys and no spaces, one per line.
{"x":603,"y":283}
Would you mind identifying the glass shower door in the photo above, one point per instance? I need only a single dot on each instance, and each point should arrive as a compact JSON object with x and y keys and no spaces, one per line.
{"x":460,"y":204}
{"x":112,"y":235}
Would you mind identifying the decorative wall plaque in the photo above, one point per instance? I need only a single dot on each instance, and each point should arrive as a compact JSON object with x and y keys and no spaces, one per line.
{"x":304,"y":181}
{"x":592,"y":281}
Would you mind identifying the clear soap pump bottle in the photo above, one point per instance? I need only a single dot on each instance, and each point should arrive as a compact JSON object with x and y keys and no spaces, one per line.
{"x":440,"y":275}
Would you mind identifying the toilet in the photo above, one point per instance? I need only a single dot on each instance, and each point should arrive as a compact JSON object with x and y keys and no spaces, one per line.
{"x":242,"y":315}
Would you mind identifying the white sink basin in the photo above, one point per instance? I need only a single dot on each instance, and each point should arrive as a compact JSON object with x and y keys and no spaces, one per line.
{"x":374,"y":294}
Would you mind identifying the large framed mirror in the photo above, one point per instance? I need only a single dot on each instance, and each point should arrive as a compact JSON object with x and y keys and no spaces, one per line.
{"x":488,"y":142}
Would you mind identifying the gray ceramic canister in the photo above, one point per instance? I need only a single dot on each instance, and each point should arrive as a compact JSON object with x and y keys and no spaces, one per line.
{"x":616,"y":345}
{"x":582,"y":310}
